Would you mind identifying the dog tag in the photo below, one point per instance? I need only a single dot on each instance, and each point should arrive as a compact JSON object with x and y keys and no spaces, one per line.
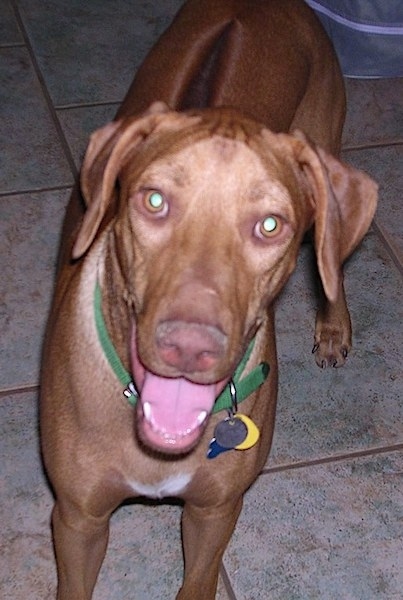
{"x":230,"y":432}
{"x":236,"y":432}
{"x":215,"y":449}
{"x":253,"y":433}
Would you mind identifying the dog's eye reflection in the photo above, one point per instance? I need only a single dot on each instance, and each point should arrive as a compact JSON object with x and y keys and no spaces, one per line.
{"x":269,"y":227}
{"x":155,"y":202}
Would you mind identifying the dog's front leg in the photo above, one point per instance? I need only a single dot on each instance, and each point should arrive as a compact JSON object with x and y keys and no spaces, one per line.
{"x":332,"y":330}
{"x":206,"y":532}
{"x":80,"y":545}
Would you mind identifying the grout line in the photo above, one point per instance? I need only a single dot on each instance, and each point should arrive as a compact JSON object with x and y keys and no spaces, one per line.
{"x":371,"y":145}
{"x":389,"y":246}
{"x":40,"y":190}
{"x":85,"y":105}
{"x":19,"y":390}
{"x":12,"y":45}
{"x":227,"y":583}
{"x":333,"y":459}
{"x":45,"y":91}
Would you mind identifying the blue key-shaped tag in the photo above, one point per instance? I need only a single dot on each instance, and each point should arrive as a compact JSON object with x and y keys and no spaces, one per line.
{"x":215,"y":449}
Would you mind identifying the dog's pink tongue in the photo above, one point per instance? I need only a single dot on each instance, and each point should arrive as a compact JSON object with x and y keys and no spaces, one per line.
{"x":174,"y":411}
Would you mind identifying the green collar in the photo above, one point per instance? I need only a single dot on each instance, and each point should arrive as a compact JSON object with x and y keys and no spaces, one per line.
{"x":244,"y":386}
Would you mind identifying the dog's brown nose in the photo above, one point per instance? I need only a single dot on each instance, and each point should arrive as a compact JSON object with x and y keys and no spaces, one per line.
{"x":190,"y":347}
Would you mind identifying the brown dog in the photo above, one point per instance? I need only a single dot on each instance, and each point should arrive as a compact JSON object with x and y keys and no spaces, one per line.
{"x":193,"y":225}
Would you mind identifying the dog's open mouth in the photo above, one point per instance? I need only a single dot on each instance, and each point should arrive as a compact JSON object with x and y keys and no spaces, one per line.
{"x":172,"y":412}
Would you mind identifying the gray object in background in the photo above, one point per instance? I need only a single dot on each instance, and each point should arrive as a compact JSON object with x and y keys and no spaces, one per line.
{"x":367,"y":35}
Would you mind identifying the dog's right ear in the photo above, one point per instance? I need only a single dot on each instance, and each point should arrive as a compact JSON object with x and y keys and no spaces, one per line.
{"x":344,"y":200}
{"x":105,"y":155}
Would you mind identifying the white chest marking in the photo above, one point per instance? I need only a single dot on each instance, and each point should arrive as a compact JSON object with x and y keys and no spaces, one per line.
{"x":171,"y":486}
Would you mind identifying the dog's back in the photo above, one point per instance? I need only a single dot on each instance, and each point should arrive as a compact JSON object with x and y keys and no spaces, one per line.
{"x":195,"y":65}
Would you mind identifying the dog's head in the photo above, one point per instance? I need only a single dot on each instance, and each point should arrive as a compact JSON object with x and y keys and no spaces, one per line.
{"x":211,"y":211}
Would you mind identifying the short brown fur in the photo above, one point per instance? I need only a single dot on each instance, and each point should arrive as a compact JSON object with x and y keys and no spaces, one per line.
{"x":206,"y":267}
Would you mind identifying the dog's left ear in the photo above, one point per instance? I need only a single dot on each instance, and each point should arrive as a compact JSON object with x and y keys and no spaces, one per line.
{"x":106,"y":153}
{"x":344,"y":201}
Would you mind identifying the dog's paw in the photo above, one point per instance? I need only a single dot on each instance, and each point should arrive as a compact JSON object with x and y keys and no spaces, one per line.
{"x":332,"y":345}
{"x":332,"y":334}
{"x":329,"y":354}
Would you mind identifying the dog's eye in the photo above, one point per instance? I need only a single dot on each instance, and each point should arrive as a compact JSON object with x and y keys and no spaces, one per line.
{"x":269,"y":227}
{"x":155,"y":202}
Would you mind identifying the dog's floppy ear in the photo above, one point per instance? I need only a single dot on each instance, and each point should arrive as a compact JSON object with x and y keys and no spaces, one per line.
{"x":104,"y":157}
{"x":344,"y":201}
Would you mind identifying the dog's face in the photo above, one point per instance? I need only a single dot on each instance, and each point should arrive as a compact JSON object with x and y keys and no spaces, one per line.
{"x":210,"y":235}
{"x":213,"y":237}
{"x":212,"y":210}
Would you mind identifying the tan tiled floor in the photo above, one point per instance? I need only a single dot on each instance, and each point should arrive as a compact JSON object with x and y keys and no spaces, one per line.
{"x":325,"y":519}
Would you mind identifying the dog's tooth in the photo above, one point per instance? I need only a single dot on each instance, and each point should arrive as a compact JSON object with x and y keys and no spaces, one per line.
{"x":147,"y":411}
{"x":202,"y":417}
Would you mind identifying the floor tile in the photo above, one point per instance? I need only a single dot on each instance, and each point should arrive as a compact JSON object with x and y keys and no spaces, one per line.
{"x":385,"y":166}
{"x":26,"y":568}
{"x":34,"y":157}
{"x":29,"y":233}
{"x":79,"y":123}
{"x":89,"y":52}
{"x":375,"y":111}
{"x":328,"y":412}
{"x":144,"y":558}
{"x":322,"y":533}
{"x":9,"y":32}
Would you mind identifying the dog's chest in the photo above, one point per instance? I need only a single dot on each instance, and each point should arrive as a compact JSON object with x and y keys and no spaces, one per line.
{"x":169,"y":486}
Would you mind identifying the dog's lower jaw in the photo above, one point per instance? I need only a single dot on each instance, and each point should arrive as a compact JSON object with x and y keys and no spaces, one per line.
{"x":165,"y":442}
